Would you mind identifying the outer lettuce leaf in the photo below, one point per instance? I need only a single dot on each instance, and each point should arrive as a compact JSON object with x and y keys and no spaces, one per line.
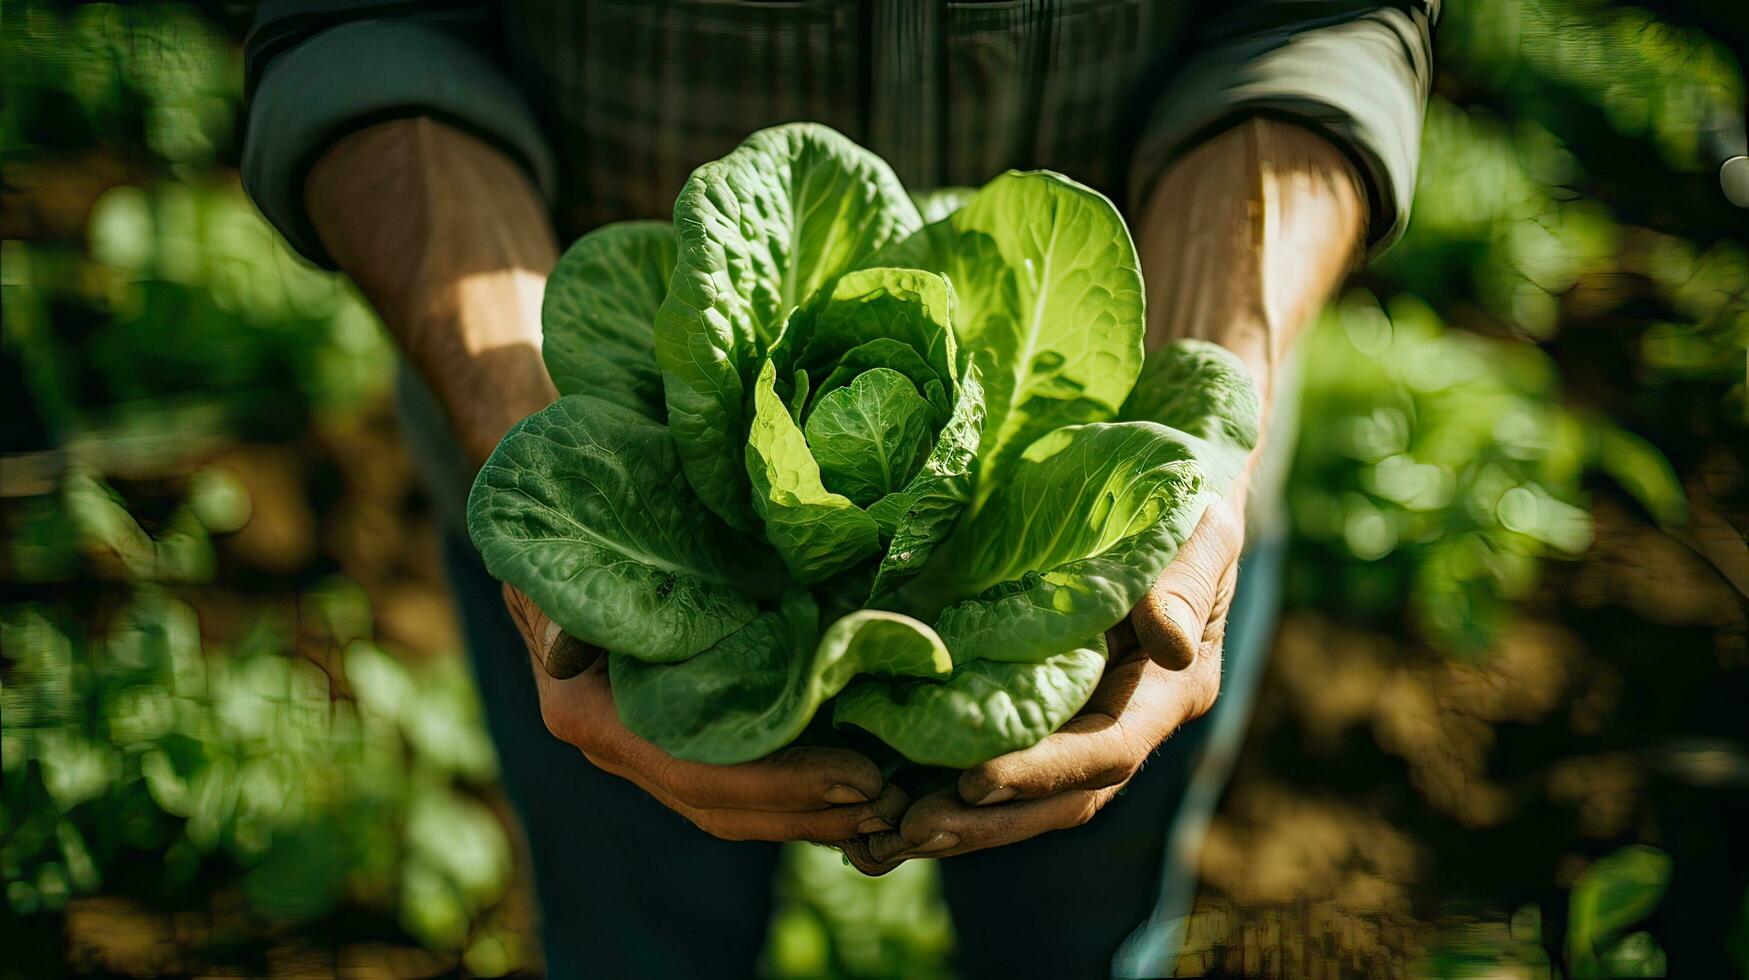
{"x":1048,"y":300}
{"x":1200,"y":388}
{"x":984,"y":710}
{"x":817,"y":532}
{"x":756,"y":690}
{"x":583,"y":507}
{"x":1090,"y":519}
{"x":759,"y":232}
{"x":598,"y":317}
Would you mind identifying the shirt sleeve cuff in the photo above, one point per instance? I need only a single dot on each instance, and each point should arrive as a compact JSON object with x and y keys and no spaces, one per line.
{"x":364,"y":72}
{"x":1361,"y":81}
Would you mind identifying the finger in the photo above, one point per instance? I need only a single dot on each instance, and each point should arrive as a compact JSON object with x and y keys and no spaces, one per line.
{"x":1170,"y":620}
{"x":856,"y":851}
{"x":1090,"y":752}
{"x":836,"y":824}
{"x":1120,"y":640}
{"x":795,"y":779}
{"x":941,"y":825}
{"x":1138,"y":705}
{"x":555,"y":652}
{"x":580,"y":711}
{"x":882,"y":814}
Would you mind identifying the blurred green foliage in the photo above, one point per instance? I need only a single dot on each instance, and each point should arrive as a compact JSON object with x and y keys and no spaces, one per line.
{"x":151,"y":319}
{"x":155,"y":86}
{"x":834,"y":922}
{"x":1615,"y":892}
{"x":1442,"y":467}
{"x":144,"y":292}
{"x":1443,"y":454}
{"x":140,"y":760}
{"x":182,"y":310}
{"x":1566,"y":320}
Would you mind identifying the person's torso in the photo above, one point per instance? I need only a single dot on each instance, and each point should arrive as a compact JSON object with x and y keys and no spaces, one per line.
{"x":635,"y":94}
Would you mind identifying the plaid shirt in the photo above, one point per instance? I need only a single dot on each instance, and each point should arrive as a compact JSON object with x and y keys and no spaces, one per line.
{"x":946,"y":93}
{"x":610,"y":104}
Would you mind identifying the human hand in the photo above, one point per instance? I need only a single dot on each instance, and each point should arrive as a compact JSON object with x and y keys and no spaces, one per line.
{"x":813,"y":794}
{"x":1165,"y":670}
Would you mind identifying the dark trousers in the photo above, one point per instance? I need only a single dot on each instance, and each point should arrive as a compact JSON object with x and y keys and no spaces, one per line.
{"x":628,"y":889}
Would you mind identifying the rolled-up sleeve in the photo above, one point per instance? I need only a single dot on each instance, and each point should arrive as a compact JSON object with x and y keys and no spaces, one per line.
{"x":320,"y":70}
{"x":1356,"y":70}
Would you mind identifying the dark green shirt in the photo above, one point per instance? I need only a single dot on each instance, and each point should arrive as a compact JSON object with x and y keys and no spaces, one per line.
{"x":610,"y":104}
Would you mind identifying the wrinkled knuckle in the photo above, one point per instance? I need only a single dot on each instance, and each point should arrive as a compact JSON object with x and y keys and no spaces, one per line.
{"x":663,"y":770}
{"x":1205,"y":582}
{"x":1084,"y":812}
{"x":595,"y":759}
{"x":1115,"y":775}
{"x":1207,"y":693}
{"x":1214,"y":632}
{"x":1202,"y":695}
{"x":1122,"y":774}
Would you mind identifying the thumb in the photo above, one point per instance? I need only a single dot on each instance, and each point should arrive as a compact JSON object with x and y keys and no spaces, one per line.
{"x":1172,"y":620}
{"x":558,"y":653}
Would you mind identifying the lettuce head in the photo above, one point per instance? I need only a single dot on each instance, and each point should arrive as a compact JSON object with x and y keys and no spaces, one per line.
{"x":821,"y":445}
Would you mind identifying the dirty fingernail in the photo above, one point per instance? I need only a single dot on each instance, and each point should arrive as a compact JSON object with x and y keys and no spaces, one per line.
{"x":874,"y":825}
{"x":1000,"y":794}
{"x":841,"y":793}
{"x":937,"y":842}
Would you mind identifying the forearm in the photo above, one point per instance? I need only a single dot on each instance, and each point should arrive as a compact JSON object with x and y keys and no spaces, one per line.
{"x":450,"y":242}
{"x":1244,"y":237}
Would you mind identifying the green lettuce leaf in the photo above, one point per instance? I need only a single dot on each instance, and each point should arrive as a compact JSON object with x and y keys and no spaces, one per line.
{"x":813,"y":395}
{"x":901,"y":315}
{"x":893,"y":355}
{"x":863,"y":316}
{"x":921,"y":515}
{"x":817,"y":532}
{"x":583,"y":508}
{"x":870,"y":436}
{"x":759,"y":232}
{"x":756,"y":690}
{"x":1201,"y":388}
{"x":1091,"y":517}
{"x":984,"y":710}
{"x":1048,"y":301}
{"x":598,"y":317}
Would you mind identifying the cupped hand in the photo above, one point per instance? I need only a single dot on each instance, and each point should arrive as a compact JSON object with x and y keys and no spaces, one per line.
{"x":813,"y":794}
{"x":1165,"y":670}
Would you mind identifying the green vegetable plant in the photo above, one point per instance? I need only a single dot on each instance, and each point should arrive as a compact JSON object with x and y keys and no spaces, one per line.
{"x":813,"y":448}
